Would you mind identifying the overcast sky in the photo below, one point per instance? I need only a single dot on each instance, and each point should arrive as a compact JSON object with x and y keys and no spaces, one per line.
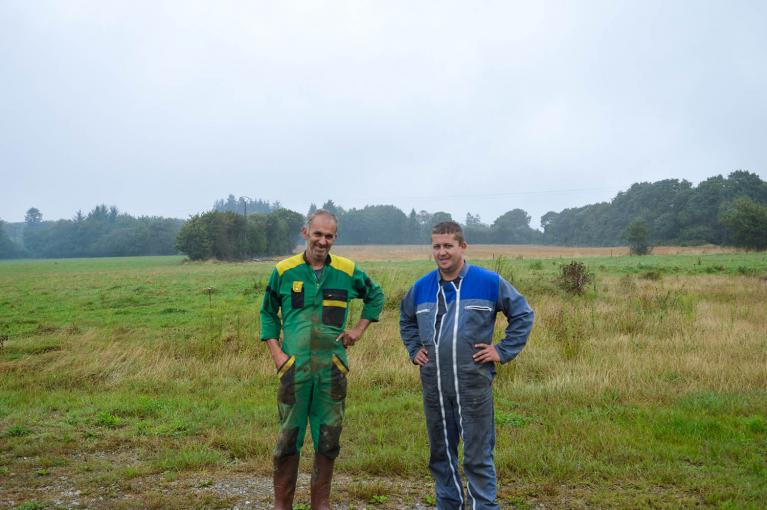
{"x":162,"y":107}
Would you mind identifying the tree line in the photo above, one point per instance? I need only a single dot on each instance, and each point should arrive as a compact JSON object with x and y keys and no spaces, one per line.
{"x":728,"y":210}
{"x":721,"y":210}
{"x":245,"y":205}
{"x":103,"y":232}
{"x":387,"y":224}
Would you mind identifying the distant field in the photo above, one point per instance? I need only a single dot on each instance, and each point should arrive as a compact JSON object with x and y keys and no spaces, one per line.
{"x":489,"y":251}
{"x":140,"y":383}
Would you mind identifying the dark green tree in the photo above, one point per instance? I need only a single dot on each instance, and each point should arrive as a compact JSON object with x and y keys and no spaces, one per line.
{"x":283,"y":228}
{"x":513,"y":227}
{"x":34,"y":232}
{"x":477,"y":232}
{"x":439,"y":217}
{"x":331,"y":206}
{"x":8,"y":248}
{"x":244,"y":205}
{"x":413,"y":235}
{"x":373,"y":224}
{"x":257,"y":243}
{"x":33,"y":217}
{"x":638,"y":236}
{"x":214,"y":235}
{"x":473,"y":219}
{"x":195,"y":238}
{"x":745,"y":222}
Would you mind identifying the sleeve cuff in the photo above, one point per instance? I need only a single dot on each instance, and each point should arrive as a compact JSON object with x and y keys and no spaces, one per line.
{"x":270,"y":335}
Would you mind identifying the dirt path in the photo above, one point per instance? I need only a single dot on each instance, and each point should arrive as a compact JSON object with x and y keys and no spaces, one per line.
{"x":235,"y":491}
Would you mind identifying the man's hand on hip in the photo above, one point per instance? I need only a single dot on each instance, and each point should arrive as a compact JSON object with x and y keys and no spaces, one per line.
{"x":351,"y":336}
{"x":279,"y":359}
{"x":486,"y":354}
{"x":275,"y":349}
{"x":421,"y":358}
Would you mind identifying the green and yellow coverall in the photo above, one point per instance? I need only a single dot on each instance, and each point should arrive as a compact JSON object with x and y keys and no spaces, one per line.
{"x":314,"y":313}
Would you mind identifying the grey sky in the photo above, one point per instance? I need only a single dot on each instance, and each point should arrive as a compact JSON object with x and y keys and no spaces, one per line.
{"x":161,"y":107}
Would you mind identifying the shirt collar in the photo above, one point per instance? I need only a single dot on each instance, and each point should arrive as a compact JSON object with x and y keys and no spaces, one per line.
{"x":328,"y":259}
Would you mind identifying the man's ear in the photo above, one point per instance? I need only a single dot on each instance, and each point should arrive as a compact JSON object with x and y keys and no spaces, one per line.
{"x":304,"y":233}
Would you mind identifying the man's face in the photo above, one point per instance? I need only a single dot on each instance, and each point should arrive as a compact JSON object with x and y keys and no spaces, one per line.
{"x":448,"y":253}
{"x":319,"y":237}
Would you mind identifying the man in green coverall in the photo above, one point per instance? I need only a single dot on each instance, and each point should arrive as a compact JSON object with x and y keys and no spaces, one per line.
{"x":313,"y":290}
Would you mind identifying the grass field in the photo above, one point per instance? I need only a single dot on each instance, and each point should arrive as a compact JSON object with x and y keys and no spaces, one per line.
{"x":140,"y":383}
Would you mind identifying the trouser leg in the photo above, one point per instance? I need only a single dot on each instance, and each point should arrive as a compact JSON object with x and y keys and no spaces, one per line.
{"x":478,"y":444}
{"x":443,"y":432}
{"x":326,"y":418}
{"x":293,"y":399}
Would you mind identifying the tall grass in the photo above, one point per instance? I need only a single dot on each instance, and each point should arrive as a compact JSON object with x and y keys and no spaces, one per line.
{"x":642,"y":391}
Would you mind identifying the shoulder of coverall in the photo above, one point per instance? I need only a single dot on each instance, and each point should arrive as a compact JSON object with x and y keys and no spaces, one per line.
{"x":342,"y":264}
{"x":290,"y":263}
{"x":335,"y":261}
{"x":479,"y":283}
{"x":424,"y":289}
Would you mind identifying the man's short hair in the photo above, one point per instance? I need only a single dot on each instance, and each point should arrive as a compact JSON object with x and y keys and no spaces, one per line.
{"x":320,"y":212}
{"x":449,"y":227}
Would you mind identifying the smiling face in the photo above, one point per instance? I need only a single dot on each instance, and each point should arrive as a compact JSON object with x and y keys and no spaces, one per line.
{"x":448,"y":254}
{"x":320,"y":236}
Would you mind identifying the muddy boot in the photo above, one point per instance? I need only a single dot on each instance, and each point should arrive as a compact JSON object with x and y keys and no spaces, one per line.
{"x":285,"y":474}
{"x":322,"y":475}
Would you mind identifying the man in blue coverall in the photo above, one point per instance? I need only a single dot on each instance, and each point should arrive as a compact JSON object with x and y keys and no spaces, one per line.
{"x":447,"y":321}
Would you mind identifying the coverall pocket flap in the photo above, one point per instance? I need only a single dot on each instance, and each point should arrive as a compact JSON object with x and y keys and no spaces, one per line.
{"x":338,"y":380}
{"x":286,"y":366}
{"x":335,"y":294}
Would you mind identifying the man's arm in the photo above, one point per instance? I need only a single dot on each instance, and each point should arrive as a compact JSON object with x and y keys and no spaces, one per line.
{"x":520,"y":317}
{"x":350,"y":337}
{"x":371,"y":294}
{"x":270,"y":320}
{"x":408,"y":328}
{"x":278,"y":356}
{"x":373,"y":298}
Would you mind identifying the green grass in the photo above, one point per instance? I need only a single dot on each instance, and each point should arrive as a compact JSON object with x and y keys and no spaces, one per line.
{"x":649,"y":390}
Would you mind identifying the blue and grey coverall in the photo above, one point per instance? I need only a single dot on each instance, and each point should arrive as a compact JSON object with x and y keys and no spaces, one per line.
{"x":448,"y":319}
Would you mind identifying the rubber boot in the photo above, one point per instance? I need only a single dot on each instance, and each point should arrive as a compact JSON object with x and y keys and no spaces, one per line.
{"x":285,"y":474}
{"x":322,"y":476}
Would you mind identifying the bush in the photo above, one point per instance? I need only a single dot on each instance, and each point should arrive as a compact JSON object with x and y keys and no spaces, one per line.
{"x":575,"y":277}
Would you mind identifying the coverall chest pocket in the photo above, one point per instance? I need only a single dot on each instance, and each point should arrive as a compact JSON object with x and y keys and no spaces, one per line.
{"x":297,"y":294}
{"x":425,"y":321}
{"x":334,"y":303}
{"x":478,"y":318}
